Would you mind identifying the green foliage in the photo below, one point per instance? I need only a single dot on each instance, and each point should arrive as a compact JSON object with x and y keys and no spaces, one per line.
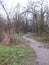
{"x":40,"y":38}
{"x":17,"y":37}
{"x":43,"y":37}
{"x":16,"y":55}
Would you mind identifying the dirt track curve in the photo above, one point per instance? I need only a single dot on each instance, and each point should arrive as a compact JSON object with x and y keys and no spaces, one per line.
{"x":42,"y":51}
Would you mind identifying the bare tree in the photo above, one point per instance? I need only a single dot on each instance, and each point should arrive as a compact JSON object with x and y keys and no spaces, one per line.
{"x":18,"y":19}
{"x":8,"y":28}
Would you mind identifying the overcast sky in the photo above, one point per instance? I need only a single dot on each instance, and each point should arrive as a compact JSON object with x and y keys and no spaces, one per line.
{"x":12,"y":3}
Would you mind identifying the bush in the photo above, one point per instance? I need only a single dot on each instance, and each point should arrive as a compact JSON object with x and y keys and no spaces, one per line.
{"x":17,"y":37}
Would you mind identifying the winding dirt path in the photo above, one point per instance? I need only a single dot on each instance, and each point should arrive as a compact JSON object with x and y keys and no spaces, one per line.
{"x":42,"y":51}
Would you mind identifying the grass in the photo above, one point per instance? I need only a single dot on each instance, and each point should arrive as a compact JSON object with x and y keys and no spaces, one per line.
{"x":39,"y":37}
{"x":16,"y":55}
